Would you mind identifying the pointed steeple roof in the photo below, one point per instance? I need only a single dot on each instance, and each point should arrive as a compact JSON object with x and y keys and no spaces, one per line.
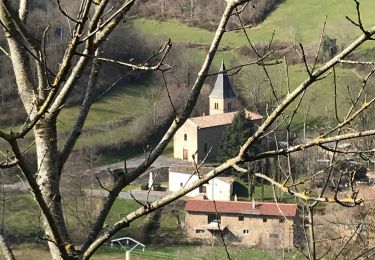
{"x":222,"y":88}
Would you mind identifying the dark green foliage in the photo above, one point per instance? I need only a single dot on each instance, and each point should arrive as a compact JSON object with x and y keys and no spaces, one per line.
{"x":361,"y":174}
{"x":235,"y":135}
{"x":329,"y":47}
{"x":240,"y":190}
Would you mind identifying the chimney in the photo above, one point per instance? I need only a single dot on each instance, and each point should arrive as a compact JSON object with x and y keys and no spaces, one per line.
{"x":253,"y":203}
{"x":235,"y":197}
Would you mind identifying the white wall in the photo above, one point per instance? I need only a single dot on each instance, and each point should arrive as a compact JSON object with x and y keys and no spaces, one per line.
{"x":220,"y":189}
{"x":217,"y":189}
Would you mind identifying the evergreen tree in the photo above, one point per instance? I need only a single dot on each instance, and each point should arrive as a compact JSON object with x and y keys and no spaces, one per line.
{"x":235,"y":135}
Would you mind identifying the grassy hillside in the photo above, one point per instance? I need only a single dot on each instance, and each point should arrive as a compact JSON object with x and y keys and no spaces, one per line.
{"x":125,"y":103}
{"x":122,"y":103}
{"x":293,"y":21}
{"x":318,"y":99}
{"x":303,"y":20}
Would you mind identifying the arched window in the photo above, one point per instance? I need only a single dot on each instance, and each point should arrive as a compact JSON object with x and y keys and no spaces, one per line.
{"x":185,"y":137}
{"x":216,"y":105}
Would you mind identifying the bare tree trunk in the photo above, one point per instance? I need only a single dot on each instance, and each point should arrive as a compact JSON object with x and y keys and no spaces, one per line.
{"x":48,"y":177}
{"x":7,"y":252}
{"x":192,"y":9}
{"x":311,"y":235}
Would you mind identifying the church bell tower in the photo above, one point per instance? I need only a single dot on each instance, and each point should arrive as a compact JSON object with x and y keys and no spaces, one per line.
{"x":222,"y":98}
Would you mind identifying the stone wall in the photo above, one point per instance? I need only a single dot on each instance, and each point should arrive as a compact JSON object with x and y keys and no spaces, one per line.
{"x":190,"y":144}
{"x":248,"y":230}
{"x":210,"y":137}
{"x":222,"y":105}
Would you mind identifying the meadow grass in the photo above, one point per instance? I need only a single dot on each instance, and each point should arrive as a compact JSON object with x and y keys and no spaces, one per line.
{"x":21,"y":217}
{"x":191,"y":252}
{"x":289,"y":21}
{"x":202,"y":252}
{"x":302,"y":21}
{"x":122,"y":103}
{"x":318,"y":100}
{"x":293,"y":21}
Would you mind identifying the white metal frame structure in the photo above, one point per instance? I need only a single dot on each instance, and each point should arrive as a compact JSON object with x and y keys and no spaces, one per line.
{"x":127,"y":240}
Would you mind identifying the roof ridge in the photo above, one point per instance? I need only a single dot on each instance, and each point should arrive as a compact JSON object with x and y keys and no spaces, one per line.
{"x":242,"y":201}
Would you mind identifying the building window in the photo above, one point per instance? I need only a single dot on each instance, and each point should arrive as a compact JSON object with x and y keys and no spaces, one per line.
{"x":185,"y":137}
{"x":264,"y":220}
{"x":205,"y":148}
{"x":229,"y":105}
{"x":202,"y":189}
{"x":214,"y":218}
{"x":240,"y":218}
{"x":281,"y":220}
{"x":199,"y":231}
{"x":274,"y":236}
{"x":216,"y":105}
{"x":181,"y":184}
{"x":246,"y":232}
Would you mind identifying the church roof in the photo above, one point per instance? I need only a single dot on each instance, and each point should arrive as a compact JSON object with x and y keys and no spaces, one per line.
{"x":213,"y":120}
{"x":220,"y":119}
{"x":222,"y":88}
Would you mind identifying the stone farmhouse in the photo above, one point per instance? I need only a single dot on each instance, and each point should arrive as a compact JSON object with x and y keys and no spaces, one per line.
{"x":201,"y":137}
{"x":261,"y":224}
{"x":219,"y":188}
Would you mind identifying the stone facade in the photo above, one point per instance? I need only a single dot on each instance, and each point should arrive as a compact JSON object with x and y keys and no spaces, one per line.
{"x":271,"y":230}
{"x":209,"y":141}
{"x":185,"y":141}
{"x":221,"y":106}
{"x":199,"y":135}
{"x":259,"y":231}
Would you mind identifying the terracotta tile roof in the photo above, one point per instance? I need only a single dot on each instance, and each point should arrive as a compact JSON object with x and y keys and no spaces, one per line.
{"x":213,"y":120}
{"x":220,"y":119}
{"x":253,"y":115}
{"x":242,"y":207}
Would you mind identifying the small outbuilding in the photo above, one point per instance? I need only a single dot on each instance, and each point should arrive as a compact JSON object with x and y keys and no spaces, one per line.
{"x":219,"y":188}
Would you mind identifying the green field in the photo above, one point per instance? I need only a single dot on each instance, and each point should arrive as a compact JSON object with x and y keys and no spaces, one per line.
{"x":293,"y":21}
{"x":22,"y":218}
{"x":122,"y":103}
{"x":290,"y":22}
{"x":196,"y":252}
{"x":302,"y":20}
{"x":318,"y":100}
{"x":193,"y":252}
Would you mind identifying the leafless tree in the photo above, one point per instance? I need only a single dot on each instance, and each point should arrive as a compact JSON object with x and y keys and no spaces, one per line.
{"x":44,"y":91}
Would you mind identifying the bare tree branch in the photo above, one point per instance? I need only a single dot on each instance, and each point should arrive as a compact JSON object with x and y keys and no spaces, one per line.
{"x":7,"y":251}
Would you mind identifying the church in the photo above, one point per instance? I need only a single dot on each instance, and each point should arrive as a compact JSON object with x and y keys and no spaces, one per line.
{"x":201,"y":137}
